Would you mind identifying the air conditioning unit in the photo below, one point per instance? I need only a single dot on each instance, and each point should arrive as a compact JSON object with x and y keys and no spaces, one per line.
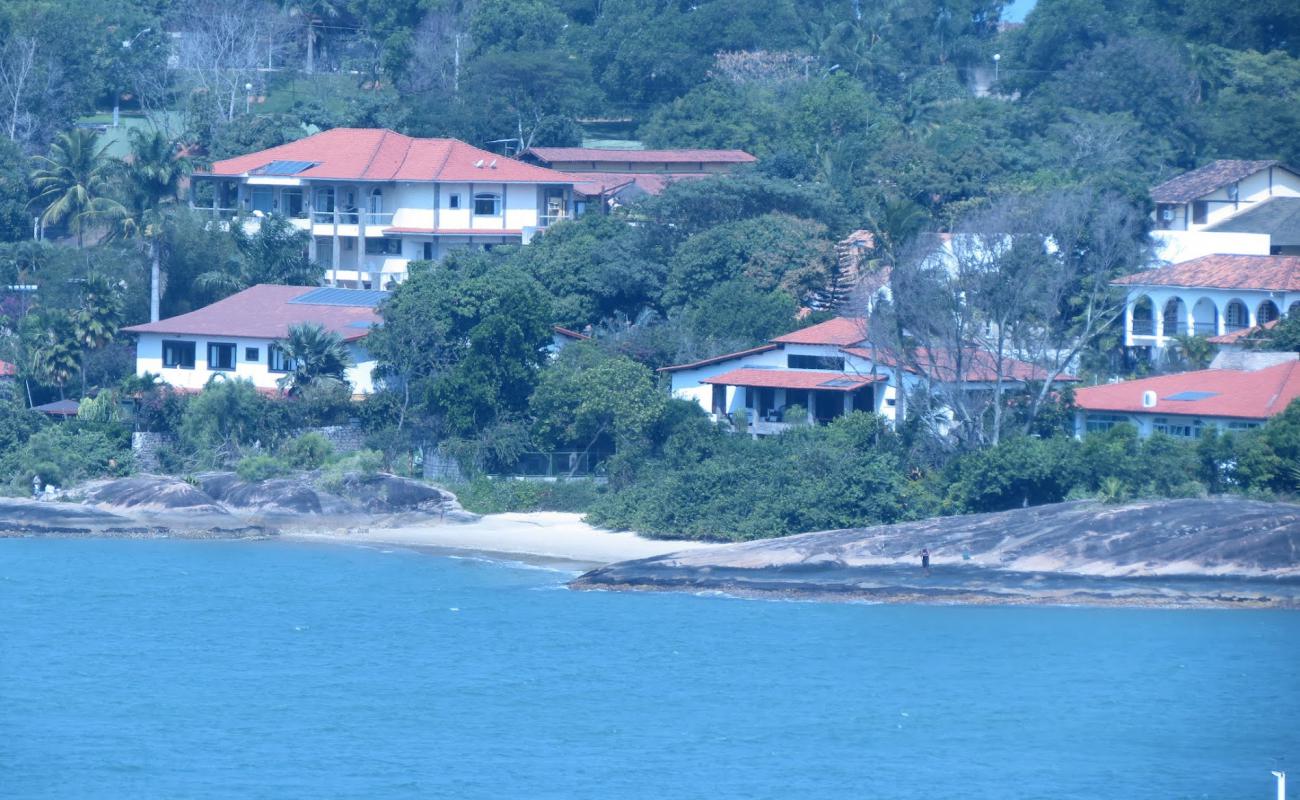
{"x":1148,"y":399}
{"x":1167,"y":214}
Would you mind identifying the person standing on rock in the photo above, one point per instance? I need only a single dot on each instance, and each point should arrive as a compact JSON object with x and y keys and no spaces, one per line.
{"x":36,"y":487}
{"x":925,"y":560}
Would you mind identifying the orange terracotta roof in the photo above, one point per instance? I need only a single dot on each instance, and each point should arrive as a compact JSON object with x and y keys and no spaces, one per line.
{"x":794,"y":379}
{"x":1244,"y":333}
{"x":569,"y":334}
{"x":452,"y":232}
{"x":762,"y":348}
{"x":378,"y":154}
{"x":841,"y":331}
{"x":1204,"y":180}
{"x":1240,"y":394}
{"x":589,"y":154}
{"x":1262,"y":273}
{"x":7,"y":370}
{"x":648,"y":182}
{"x":266,"y":311}
{"x":978,"y":366}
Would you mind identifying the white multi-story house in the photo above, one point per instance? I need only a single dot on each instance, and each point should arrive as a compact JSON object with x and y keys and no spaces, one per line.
{"x":1208,"y":296}
{"x":238,"y":337}
{"x":1193,"y":210}
{"x":375,"y":200}
{"x":828,"y":370}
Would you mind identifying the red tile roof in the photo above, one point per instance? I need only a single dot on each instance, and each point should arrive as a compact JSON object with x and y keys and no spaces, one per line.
{"x":59,"y":408}
{"x":648,"y":182}
{"x":1244,"y":333}
{"x":1204,"y":180}
{"x":1240,"y":394}
{"x":1264,"y":273}
{"x":569,"y":334}
{"x":589,"y":154}
{"x":7,"y":370}
{"x":841,"y":331}
{"x":794,"y":379}
{"x":978,"y":366}
{"x":762,"y":348}
{"x":377,"y":154}
{"x":265,"y":312}
{"x":453,"y":232}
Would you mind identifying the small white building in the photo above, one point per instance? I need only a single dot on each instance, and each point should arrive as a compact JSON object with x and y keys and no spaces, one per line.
{"x":374,"y":200}
{"x":616,"y":177}
{"x":1208,"y":296}
{"x":238,"y":337}
{"x":828,"y":370}
{"x":1239,"y":392}
{"x":1191,"y":209}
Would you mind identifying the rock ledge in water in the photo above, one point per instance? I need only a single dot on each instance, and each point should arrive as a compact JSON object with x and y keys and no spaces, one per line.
{"x":1215,"y":550}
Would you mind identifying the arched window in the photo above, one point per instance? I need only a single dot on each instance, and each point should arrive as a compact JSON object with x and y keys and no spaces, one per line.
{"x":1267,"y":312}
{"x":1144,"y":323}
{"x":1236,"y":317}
{"x":487,"y":205}
{"x":1174,"y":316}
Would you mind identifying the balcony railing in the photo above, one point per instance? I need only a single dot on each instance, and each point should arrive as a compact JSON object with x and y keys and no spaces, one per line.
{"x":1206,"y":329}
{"x":546,"y":220}
{"x":370,"y":218}
{"x":1144,"y":327}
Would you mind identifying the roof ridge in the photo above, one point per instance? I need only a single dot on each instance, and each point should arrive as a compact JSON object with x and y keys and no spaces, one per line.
{"x":437,"y":173}
{"x":379,"y":146}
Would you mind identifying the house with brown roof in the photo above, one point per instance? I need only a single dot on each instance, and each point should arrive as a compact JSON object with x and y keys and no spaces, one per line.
{"x":1192,"y":210}
{"x":829,"y":369}
{"x":239,"y":337}
{"x":620,"y":176}
{"x":1238,"y":393}
{"x":1210,"y":296}
{"x":374,"y":200}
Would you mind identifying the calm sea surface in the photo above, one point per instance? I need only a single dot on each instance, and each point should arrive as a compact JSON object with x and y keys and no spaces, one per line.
{"x":174,"y":669}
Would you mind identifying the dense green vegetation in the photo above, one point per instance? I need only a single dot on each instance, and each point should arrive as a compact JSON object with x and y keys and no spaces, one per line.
{"x":886,"y":116}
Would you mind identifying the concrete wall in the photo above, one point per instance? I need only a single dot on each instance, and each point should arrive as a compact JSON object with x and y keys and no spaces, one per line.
{"x":1177,"y":246}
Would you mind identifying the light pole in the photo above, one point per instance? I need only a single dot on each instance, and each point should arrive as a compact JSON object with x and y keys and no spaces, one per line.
{"x":248,"y":100}
{"x":117,"y":93}
{"x":1281,"y":784}
{"x":996,"y":58}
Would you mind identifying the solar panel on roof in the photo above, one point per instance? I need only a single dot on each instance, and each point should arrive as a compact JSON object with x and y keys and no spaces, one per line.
{"x":330,"y":296}
{"x":363,"y":324}
{"x":1192,"y":395}
{"x":284,"y":167}
{"x":840,"y":382}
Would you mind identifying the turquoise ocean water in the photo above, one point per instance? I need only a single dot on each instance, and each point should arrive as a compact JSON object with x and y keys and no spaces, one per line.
{"x":174,"y":669}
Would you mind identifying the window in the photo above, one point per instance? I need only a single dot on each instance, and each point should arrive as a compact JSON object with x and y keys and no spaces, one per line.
{"x":263,"y":199}
{"x":383,"y":247}
{"x":221,"y":356}
{"x":178,"y":355}
{"x":1096,"y":423}
{"x":428,"y":251}
{"x":1186,"y":429}
{"x":1200,"y":210}
{"x":796,"y":397}
{"x":453,"y":201}
{"x":252,"y":354}
{"x":487,"y":205}
{"x":277,"y":361}
{"x":1240,"y":425}
{"x":325,"y":200}
{"x":291,"y":199}
{"x":815,"y":362}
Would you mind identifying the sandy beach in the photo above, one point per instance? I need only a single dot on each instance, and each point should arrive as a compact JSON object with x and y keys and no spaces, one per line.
{"x":544,"y":534}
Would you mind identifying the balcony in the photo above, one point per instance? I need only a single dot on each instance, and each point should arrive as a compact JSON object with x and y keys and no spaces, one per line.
{"x":1206,"y":329}
{"x":1144,"y":327}
{"x":371,"y":219}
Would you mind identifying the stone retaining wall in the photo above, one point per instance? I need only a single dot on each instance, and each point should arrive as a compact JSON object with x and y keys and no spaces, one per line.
{"x":146,"y":445}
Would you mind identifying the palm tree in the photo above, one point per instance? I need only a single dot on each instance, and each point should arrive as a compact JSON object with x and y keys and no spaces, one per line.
{"x":153,"y":176}
{"x":275,"y":253}
{"x":97,"y":318}
{"x":314,"y":354}
{"x":73,"y":182}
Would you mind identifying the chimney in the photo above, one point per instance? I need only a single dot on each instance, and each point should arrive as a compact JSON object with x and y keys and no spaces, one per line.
{"x":1148,"y":399}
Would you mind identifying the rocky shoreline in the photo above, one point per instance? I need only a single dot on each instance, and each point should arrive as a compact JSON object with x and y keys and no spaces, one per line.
{"x":219,"y":505}
{"x":1220,"y":552}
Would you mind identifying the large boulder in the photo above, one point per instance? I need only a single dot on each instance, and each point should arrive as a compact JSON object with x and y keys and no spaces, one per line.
{"x":156,"y":492}
{"x":384,"y":493}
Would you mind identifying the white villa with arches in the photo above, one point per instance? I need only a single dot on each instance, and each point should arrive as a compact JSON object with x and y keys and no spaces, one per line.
{"x":1208,"y":296}
{"x":374,"y":200}
{"x":1216,"y":209}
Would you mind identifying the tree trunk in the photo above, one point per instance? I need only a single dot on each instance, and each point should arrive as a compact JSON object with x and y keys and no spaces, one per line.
{"x":155,"y":278}
{"x":311,"y":46}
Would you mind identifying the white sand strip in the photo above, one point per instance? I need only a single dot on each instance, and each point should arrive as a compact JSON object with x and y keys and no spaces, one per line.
{"x":543,"y":534}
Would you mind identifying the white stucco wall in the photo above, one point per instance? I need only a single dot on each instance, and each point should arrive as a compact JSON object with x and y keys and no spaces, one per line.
{"x":1174,"y":247}
{"x":149,"y":359}
{"x":1203,"y":306}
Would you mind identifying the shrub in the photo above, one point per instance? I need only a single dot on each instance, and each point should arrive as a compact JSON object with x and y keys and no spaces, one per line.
{"x":495,"y":496}
{"x":229,"y":417}
{"x":309,"y":451}
{"x":362,"y":462}
{"x":260,"y":467}
{"x":67,"y":453}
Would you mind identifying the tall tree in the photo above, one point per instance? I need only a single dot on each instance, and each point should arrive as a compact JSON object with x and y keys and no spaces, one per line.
{"x":316,"y":355}
{"x":73,"y":183}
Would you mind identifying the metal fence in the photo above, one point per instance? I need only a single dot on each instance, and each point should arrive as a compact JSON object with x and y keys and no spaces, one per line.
{"x":559,"y":465}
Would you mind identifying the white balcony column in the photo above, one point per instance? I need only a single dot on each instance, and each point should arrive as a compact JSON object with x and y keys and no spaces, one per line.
{"x":1221,"y":321}
{"x":1128,"y":320}
{"x":336,"y":243}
